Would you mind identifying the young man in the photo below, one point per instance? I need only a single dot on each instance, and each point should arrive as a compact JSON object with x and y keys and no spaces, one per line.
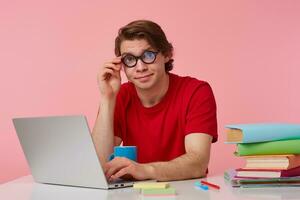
{"x":171,"y":119}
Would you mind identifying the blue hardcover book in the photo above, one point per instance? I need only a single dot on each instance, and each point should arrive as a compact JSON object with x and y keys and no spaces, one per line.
{"x":251,"y":133}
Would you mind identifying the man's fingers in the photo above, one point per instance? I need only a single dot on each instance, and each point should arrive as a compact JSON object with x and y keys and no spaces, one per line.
{"x":119,"y":161}
{"x":121,"y":173}
{"x":117,"y":60}
{"x":111,"y":171}
{"x":105,"y":168}
{"x":108,"y":70}
{"x":112,"y":167}
{"x":115,"y":165}
{"x":106,"y":74}
{"x":113,"y":66}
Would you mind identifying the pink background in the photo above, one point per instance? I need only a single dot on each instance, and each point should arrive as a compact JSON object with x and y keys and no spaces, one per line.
{"x":50,"y":52}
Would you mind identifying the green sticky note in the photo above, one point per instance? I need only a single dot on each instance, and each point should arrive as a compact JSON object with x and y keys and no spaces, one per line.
{"x":165,"y":191}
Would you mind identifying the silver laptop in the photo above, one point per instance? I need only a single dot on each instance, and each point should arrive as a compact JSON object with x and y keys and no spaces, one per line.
{"x":60,"y":150}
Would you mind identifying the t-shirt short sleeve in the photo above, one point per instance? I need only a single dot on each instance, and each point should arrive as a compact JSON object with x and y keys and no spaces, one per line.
{"x":119,"y":115}
{"x":201,"y":116}
{"x":117,"y":124}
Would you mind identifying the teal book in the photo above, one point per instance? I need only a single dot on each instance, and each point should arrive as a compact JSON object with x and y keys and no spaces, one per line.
{"x":252,"y":133}
{"x":269,"y":148}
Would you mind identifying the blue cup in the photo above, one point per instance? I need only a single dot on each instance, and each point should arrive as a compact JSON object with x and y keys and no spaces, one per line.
{"x":129,"y":152}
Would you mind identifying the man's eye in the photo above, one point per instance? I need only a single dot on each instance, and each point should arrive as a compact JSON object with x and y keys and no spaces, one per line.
{"x":129,"y":58}
{"x":148,"y":55}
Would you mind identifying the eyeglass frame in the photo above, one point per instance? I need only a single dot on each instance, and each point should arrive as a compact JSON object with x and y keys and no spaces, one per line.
{"x":139,"y":58}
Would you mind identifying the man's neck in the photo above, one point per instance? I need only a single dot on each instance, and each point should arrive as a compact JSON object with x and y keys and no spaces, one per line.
{"x":154,"y":95}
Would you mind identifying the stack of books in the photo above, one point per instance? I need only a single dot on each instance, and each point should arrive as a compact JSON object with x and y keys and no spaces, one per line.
{"x":271,"y":152}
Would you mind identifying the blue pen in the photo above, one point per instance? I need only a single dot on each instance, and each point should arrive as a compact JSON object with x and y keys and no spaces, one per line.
{"x":201,"y":186}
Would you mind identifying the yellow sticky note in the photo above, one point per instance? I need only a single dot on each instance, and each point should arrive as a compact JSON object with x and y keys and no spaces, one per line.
{"x":151,"y":185}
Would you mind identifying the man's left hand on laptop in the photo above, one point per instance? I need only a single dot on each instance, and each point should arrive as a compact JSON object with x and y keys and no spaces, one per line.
{"x":121,"y":167}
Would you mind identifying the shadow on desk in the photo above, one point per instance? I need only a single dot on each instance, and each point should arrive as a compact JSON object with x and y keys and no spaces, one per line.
{"x":58,"y":192}
{"x":274,"y":193}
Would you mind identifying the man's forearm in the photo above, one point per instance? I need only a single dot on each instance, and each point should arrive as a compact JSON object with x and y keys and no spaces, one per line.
{"x":103,"y":136}
{"x":187,"y":166}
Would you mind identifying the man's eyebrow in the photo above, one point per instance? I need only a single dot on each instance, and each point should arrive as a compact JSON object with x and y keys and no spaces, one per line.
{"x":148,"y":48}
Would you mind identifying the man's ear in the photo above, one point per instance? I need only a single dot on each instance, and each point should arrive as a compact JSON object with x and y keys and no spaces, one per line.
{"x":167,"y":59}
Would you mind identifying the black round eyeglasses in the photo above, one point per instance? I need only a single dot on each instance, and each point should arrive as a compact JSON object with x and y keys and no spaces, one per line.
{"x":148,"y":57}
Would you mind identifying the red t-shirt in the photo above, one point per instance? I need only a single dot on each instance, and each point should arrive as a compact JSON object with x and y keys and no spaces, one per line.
{"x":158,"y":132}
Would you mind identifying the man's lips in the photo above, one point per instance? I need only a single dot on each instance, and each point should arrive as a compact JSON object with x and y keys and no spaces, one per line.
{"x":145,"y":76}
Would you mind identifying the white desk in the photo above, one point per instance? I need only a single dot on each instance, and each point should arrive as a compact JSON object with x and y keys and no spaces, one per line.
{"x":25,"y":188}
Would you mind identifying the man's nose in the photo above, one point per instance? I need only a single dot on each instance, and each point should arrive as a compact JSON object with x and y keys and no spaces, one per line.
{"x":141,"y":66}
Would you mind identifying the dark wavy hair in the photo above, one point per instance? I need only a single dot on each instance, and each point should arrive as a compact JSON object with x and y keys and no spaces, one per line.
{"x":152,"y":33}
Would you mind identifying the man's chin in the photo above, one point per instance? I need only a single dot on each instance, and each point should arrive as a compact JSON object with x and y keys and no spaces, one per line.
{"x":143,"y":86}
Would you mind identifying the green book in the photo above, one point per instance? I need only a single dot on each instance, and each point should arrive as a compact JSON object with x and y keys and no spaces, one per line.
{"x":269,"y":148}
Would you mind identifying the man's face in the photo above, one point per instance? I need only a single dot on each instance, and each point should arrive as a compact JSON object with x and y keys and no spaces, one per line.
{"x":142,"y":75}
